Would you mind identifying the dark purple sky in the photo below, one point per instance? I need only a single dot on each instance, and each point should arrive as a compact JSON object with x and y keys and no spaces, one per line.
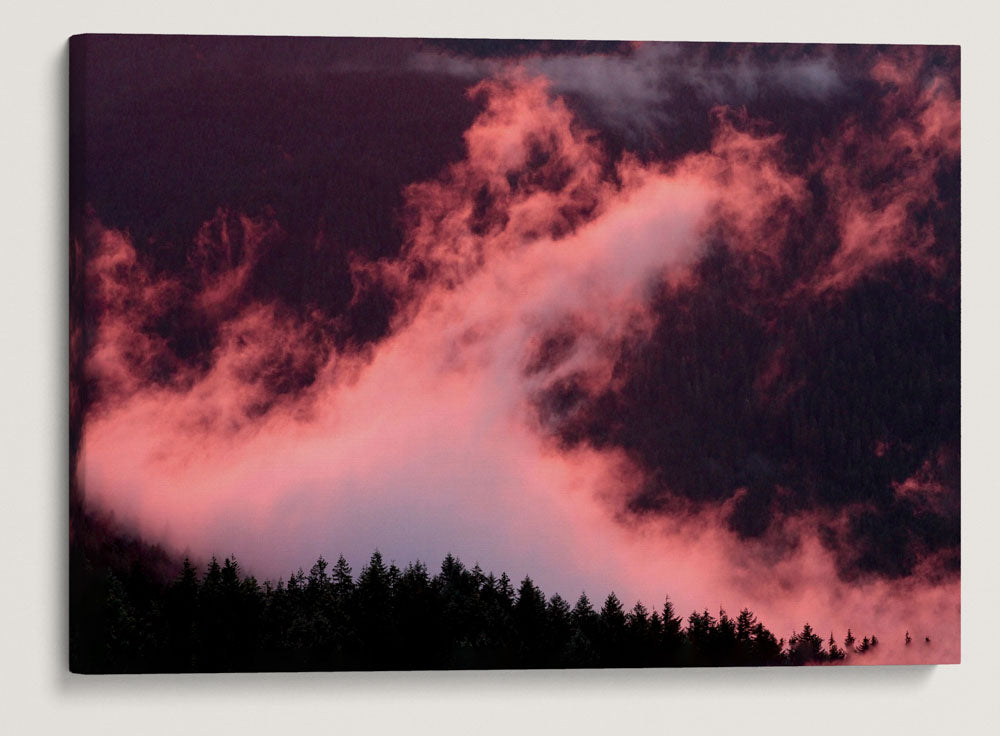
{"x":659,"y":318}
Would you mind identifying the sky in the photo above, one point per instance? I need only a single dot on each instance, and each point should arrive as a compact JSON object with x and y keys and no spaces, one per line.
{"x":653,"y":318}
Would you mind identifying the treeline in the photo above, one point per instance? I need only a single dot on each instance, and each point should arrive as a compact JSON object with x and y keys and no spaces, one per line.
{"x":388,"y":618}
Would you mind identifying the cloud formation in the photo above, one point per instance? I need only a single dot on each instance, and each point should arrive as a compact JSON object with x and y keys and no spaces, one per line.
{"x":883,"y":177}
{"x":541,"y":283}
{"x":637,"y":88}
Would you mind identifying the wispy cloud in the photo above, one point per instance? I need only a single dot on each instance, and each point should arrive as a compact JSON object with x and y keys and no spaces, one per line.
{"x":431,"y":440}
{"x":638,"y":91}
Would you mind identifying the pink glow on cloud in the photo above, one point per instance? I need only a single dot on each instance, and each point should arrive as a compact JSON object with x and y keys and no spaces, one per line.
{"x":226,"y":250}
{"x":876,"y":222}
{"x":427,"y":442}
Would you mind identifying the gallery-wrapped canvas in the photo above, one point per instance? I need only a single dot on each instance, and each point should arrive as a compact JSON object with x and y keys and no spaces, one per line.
{"x":423,"y":354}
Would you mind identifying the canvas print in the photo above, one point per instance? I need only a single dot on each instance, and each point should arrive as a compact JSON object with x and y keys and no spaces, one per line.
{"x":408,"y":354}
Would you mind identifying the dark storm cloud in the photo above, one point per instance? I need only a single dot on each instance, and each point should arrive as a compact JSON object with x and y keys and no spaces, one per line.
{"x":169,"y":129}
{"x":321,"y":303}
{"x":789,"y":406}
{"x":817,"y":367}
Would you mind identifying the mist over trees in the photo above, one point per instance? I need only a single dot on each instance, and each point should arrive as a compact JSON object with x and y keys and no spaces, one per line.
{"x":384,"y":617}
{"x":759,"y":390}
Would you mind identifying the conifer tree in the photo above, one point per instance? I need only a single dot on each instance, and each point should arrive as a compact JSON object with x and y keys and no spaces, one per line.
{"x":373,"y":608}
{"x":698,"y":637}
{"x":612,"y":632}
{"x":584,"y":617}
{"x":505,"y":589}
{"x":806,"y":647}
{"x":530,"y":620}
{"x":641,"y":644}
{"x":724,"y":640}
{"x":745,"y":623}
{"x":559,"y":627}
{"x":655,"y":630}
{"x":181,"y":612}
{"x":767,"y":649}
{"x":345,"y":642}
{"x":673,"y":637}
{"x":744,"y":626}
{"x":343,"y":583}
{"x":835,"y":652}
{"x":318,"y":579}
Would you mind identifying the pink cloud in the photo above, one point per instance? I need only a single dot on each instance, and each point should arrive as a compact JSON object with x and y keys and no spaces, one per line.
{"x":880,"y":176}
{"x":428,"y":442}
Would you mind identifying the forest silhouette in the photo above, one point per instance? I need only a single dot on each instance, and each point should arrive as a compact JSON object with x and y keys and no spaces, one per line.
{"x":126,"y":618}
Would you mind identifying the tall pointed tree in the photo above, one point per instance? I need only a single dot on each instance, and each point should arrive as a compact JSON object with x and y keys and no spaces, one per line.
{"x":529,"y":618}
{"x":612,"y":632}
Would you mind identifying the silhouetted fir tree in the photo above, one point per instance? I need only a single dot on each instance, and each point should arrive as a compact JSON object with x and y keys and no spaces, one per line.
{"x":699,"y":639}
{"x":489,"y":581}
{"x":529,"y":621}
{"x":420,"y":620}
{"x":486,"y":629}
{"x":346,"y":644}
{"x":806,"y":647}
{"x":229,"y":576}
{"x":907,"y":639}
{"x":343,"y":583}
{"x":863,"y":647}
{"x":297,"y":583}
{"x":211,"y":620}
{"x":457,"y":588}
{"x":505,"y":589}
{"x":234,"y":626}
{"x":724,"y":641}
{"x":250,"y":616}
{"x":834,"y":652}
{"x":582,"y":650}
{"x":213,"y":574}
{"x":655,"y":633}
{"x":612,"y":637}
{"x":181,"y":612}
{"x":322,"y":612}
{"x":496,"y":641}
{"x":640,"y":639}
{"x":767,"y":649}
{"x":849,"y":641}
{"x":318,"y":580}
{"x":745,"y":623}
{"x":558,"y":629}
{"x":452,"y":575}
{"x":274,"y":621}
{"x":374,"y":612}
{"x":638,"y":618}
{"x":309,"y":607}
{"x":673,"y":639}
{"x":298,"y":636}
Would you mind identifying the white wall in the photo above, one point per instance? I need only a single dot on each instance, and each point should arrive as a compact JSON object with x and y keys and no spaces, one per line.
{"x":37,"y":695}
